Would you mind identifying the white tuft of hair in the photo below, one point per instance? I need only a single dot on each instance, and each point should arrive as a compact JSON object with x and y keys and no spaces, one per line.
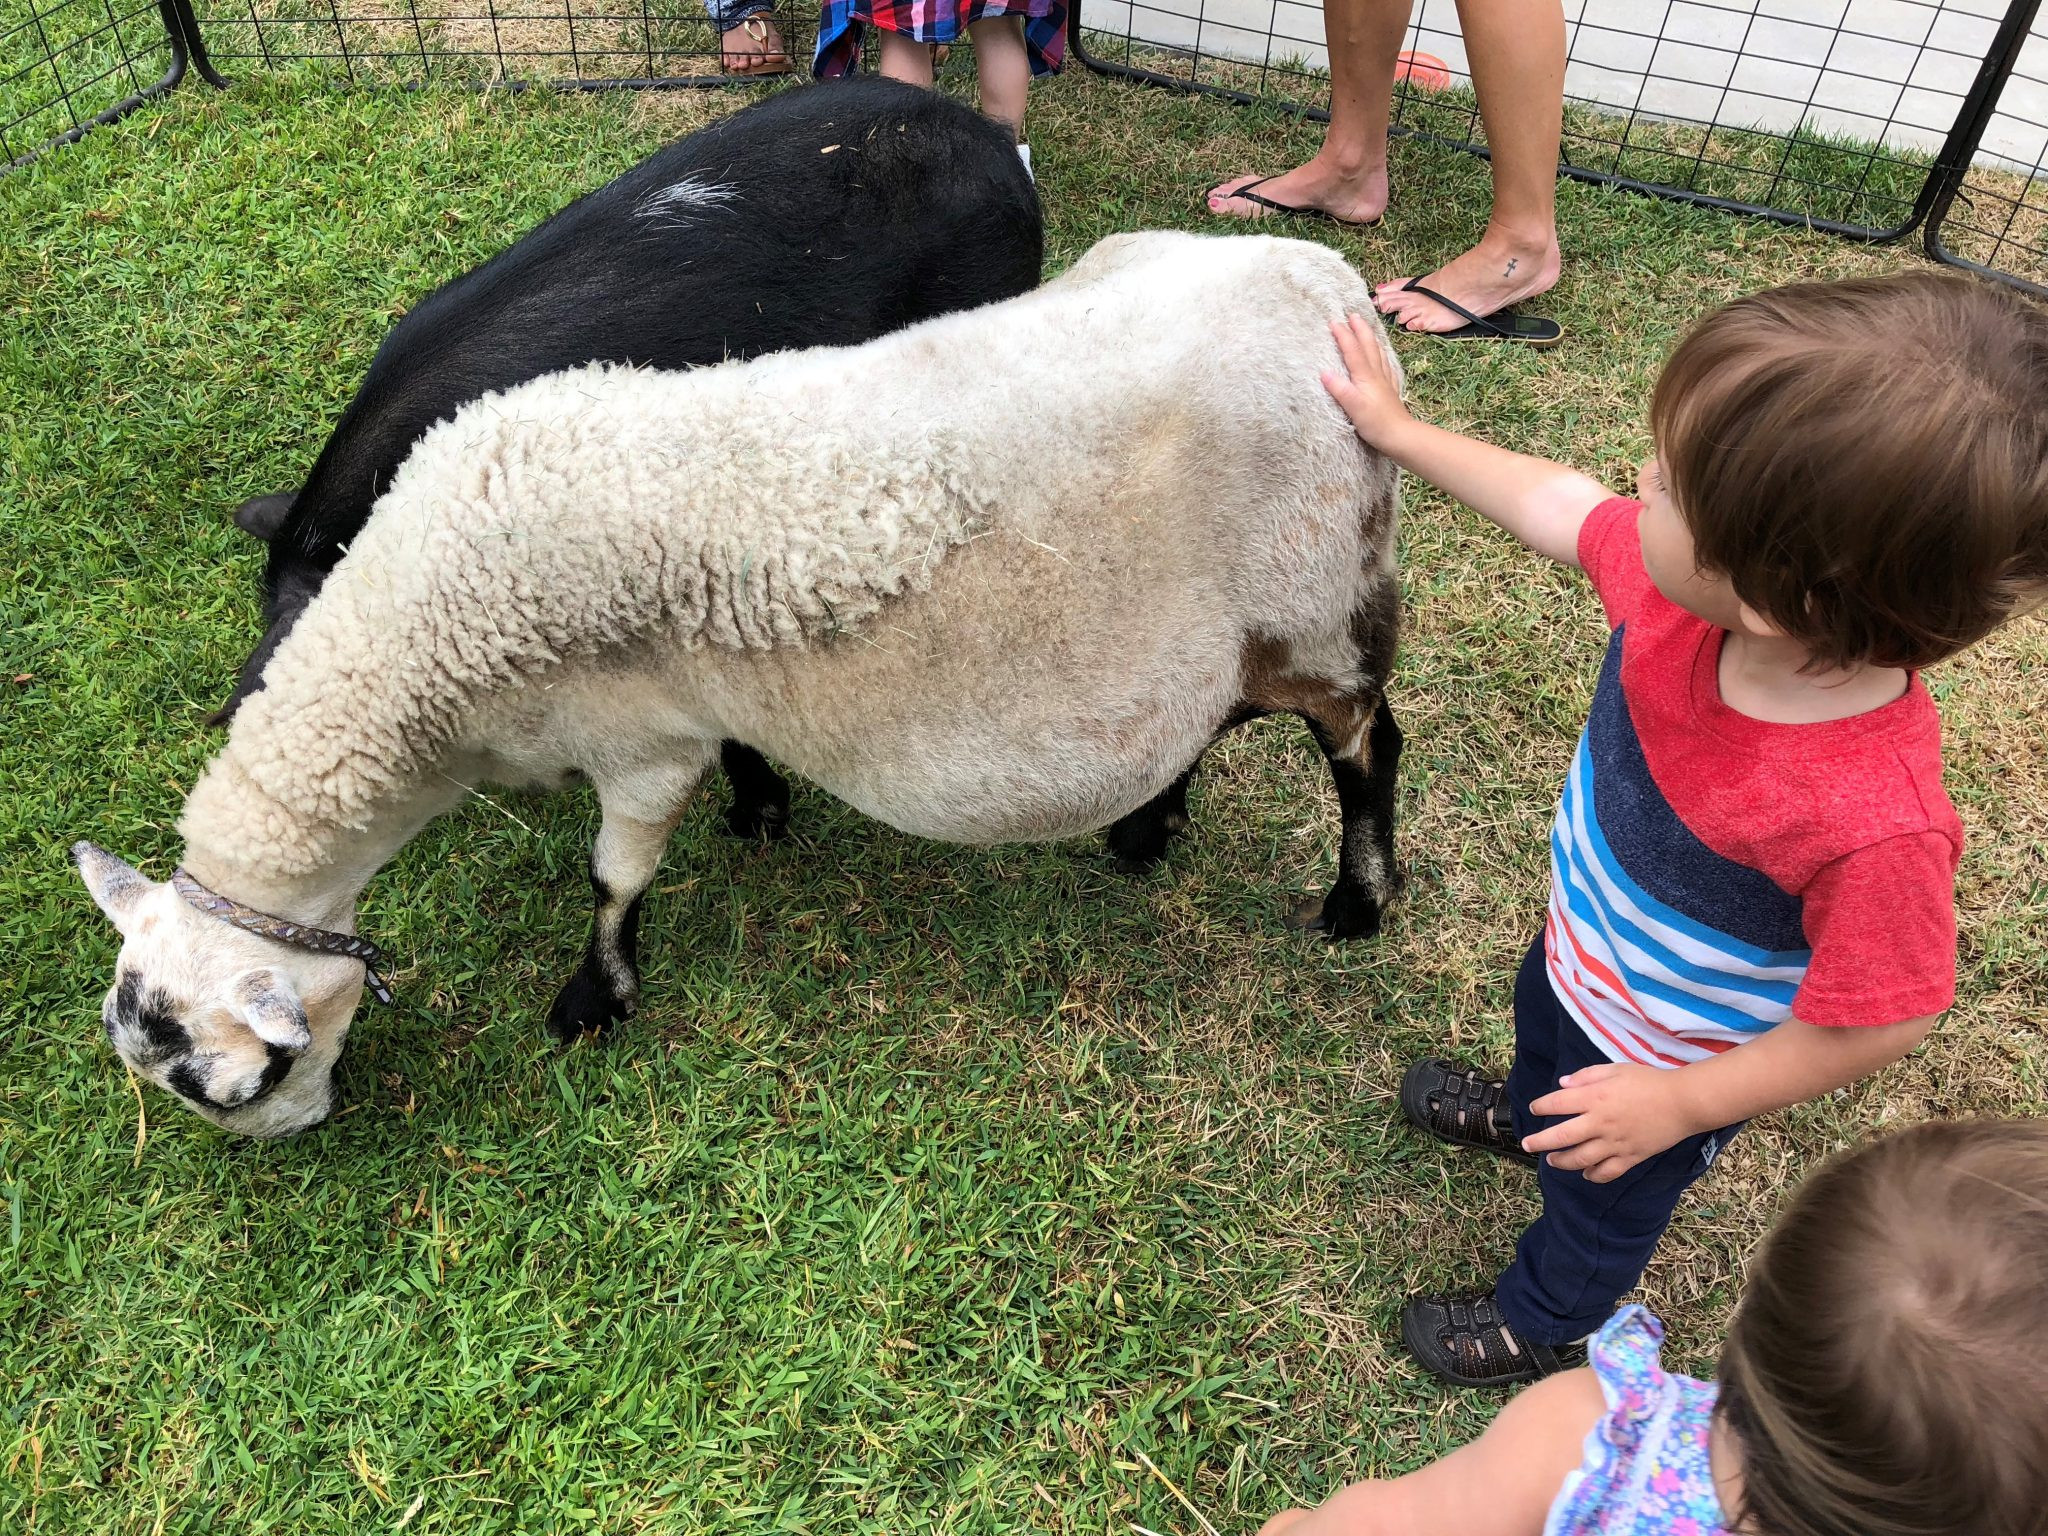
{"x":673,"y":204}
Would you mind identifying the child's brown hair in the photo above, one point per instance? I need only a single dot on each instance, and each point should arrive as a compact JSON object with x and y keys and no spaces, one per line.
{"x":1866,"y":462}
{"x":1887,"y":1374}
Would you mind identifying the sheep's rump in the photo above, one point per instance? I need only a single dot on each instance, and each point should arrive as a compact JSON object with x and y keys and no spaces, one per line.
{"x":744,"y":238}
{"x":833,"y":520}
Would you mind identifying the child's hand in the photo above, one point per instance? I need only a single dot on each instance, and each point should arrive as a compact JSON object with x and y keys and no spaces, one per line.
{"x":1621,"y":1113}
{"x":1365,"y":389}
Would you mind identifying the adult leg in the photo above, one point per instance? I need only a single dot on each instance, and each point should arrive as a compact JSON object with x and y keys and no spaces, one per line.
{"x":1516,"y":49}
{"x":639,"y":814}
{"x":1348,"y":176}
{"x":1003,"y":69}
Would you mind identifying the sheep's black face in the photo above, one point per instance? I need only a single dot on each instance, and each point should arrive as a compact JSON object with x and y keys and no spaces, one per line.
{"x":220,"y":1068}
{"x":241,"y":1028}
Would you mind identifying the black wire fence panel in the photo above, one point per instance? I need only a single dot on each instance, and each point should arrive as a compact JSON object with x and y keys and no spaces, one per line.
{"x":577,"y":43}
{"x":1864,"y":117}
{"x":1830,"y":112}
{"x":1998,"y":222}
{"x":66,"y":65}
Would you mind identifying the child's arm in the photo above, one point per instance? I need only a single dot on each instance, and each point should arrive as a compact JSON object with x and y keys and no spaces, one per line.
{"x":1541,"y":503}
{"x":1622,"y":1113}
{"x":1501,"y":1484}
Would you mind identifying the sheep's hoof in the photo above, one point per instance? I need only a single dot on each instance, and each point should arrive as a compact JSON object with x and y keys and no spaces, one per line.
{"x":1346,"y":913}
{"x":1139,"y":841}
{"x":758,"y":821}
{"x":586,"y":1006}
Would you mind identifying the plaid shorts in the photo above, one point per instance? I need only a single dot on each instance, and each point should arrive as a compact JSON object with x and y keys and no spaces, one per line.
{"x":935,"y":21}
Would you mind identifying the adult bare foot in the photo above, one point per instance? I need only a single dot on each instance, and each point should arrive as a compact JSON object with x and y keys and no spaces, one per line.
{"x":754,"y":47}
{"x":1353,"y":196}
{"x":1502,"y":269}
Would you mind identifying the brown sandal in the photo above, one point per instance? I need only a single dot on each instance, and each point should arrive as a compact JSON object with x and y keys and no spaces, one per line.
{"x":1463,"y":1108}
{"x":1465,"y":1341}
{"x":769,"y":61}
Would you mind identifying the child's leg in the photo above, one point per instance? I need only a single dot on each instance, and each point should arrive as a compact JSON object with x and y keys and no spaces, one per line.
{"x":1592,"y":1242}
{"x":905,"y":58}
{"x":1539,"y":1022}
{"x":1004,"y":68}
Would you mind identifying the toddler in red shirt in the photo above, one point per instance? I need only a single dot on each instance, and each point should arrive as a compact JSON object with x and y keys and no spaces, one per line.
{"x":1753,"y":861}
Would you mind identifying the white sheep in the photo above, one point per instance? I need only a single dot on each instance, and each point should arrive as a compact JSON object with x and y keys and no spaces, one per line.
{"x":1001,"y":576}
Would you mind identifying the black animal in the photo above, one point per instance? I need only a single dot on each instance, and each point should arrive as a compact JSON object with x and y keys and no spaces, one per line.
{"x":823,"y":216}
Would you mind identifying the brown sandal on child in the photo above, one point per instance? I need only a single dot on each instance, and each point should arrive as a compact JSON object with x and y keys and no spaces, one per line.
{"x":1463,"y":1108}
{"x":1465,"y":1341}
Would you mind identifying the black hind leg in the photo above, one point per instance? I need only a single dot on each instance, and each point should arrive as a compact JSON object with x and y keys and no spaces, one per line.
{"x":760,"y":795}
{"x":1139,"y":840}
{"x":1364,"y":769}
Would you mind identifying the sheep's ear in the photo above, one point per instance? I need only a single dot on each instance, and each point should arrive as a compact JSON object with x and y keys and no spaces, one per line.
{"x":261,"y":516}
{"x":272,"y":1011}
{"x":115,"y":885}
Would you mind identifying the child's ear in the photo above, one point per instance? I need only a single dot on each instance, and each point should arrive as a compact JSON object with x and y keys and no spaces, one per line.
{"x":1754,"y":623}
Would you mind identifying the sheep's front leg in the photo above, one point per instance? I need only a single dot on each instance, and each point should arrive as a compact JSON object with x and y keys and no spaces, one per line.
{"x":638,"y":818}
{"x":1363,"y":763}
{"x":1138,"y":841}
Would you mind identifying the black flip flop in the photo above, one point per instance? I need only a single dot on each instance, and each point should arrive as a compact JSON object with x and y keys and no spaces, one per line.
{"x":1250,"y":194}
{"x":1502,"y":325}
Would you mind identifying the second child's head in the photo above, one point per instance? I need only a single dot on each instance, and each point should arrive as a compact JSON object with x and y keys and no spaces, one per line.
{"x":1887,"y":1373}
{"x":1860,"y":466}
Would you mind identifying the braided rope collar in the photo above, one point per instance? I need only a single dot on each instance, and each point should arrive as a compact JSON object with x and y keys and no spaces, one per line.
{"x":300,"y":935}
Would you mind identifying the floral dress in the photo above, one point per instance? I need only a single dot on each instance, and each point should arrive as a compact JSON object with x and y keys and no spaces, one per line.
{"x":935,"y":21}
{"x":1646,"y":1470}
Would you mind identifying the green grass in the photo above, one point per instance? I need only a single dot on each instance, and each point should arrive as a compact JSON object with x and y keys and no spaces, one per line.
{"x":932,"y":1186}
{"x":1808,"y":172}
{"x":62,"y":62}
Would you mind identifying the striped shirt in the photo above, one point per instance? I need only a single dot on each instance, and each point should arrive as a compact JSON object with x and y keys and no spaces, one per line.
{"x":1714,"y":875}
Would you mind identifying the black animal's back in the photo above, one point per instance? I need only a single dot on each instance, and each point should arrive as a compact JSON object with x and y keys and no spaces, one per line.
{"x":823,"y":216}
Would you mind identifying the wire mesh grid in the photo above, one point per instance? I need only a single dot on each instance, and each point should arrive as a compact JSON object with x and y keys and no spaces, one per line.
{"x":66,"y":65}
{"x":1998,"y":222}
{"x":1856,"y":116}
{"x":602,"y":44}
{"x":1823,"y":111}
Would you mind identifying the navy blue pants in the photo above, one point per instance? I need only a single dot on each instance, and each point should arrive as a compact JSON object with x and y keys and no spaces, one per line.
{"x":1590,"y":1246}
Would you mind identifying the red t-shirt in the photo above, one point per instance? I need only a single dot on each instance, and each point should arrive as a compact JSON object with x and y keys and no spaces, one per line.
{"x":1714,"y":875}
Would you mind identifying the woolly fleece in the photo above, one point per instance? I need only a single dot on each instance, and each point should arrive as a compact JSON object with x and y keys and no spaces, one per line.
{"x":790,"y":503}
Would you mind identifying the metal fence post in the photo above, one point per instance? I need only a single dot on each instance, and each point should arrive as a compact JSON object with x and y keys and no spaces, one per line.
{"x":1952,"y":167}
{"x":178,"y":14}
{"x":175,"y":37}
